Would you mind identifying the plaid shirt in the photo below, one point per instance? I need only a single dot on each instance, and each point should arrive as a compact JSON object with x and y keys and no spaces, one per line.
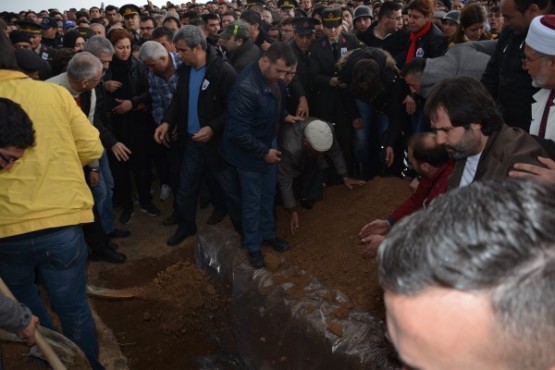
{"x":161,"y":90}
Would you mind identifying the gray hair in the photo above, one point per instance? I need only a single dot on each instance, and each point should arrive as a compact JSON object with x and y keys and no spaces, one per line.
{"x":192,"y":36}
{"x":98,"y":45}
{"x":153,"y":50}
{"x":492,"y":237}
{"x":83,"y":66}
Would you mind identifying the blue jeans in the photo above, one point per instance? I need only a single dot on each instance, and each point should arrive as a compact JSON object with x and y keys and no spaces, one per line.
{"x":103,"y":194}
{"x":59,"y":256}
{"x":224,"y":188}
{"x":366,"y":147}
{"x":258,"y":191}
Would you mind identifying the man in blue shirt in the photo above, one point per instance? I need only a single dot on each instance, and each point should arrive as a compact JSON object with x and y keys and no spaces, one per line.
{"x":197,"y":110}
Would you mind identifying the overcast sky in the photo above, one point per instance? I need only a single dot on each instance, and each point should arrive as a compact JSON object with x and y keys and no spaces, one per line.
{"x":37,"y":5}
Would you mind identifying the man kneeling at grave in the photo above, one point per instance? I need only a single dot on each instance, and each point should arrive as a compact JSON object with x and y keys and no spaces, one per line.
{"x":304,"y":147}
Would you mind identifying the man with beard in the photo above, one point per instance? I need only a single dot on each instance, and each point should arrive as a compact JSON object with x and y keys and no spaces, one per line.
{"x":505,"y":77}
{"x":464,"y":117}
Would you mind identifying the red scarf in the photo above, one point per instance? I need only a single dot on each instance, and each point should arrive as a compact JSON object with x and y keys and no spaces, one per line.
{"x":413,"y":38}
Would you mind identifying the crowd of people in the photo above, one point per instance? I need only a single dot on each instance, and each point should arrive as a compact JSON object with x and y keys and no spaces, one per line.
{"x":246,"y":106}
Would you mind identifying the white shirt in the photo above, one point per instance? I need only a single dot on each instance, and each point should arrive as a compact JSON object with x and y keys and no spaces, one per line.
{"x":470,"y":169}
{"x":540,"y":99}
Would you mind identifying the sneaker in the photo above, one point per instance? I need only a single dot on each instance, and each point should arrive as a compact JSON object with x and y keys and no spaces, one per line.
{"x":125,"y":216}
{"x":256,"y":259}
{"x":150,"y":209}
{"x":165,"y":192}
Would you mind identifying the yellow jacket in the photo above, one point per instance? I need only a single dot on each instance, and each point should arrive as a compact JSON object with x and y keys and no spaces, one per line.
{"x":46,"y":188}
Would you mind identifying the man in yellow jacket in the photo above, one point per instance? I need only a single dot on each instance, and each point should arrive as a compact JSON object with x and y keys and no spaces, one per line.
{"x":43,"y":201}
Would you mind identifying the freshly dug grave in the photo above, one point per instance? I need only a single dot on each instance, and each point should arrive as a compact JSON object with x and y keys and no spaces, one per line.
{"x":179,"y":320}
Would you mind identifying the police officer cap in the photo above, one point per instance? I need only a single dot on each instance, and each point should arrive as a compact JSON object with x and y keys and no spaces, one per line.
{"x":305,"y":25}
{"x":332,"y":17}
{"x":129,"y":9}
{"x":30,"y":27}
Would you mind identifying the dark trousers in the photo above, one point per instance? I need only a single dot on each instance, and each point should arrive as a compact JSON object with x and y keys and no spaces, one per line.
{"x":197,"y":159}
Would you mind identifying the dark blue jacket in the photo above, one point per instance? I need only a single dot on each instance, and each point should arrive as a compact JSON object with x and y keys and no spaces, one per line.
{"x":254,"y":113}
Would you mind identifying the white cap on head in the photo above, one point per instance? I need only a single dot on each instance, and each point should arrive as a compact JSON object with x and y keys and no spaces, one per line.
{"x":319,"y":135}
{"x":541,"y":34}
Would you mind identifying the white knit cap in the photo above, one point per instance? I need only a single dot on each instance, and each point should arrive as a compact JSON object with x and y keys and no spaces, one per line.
{"x":541,"y":35}
{"x":319,"y":135}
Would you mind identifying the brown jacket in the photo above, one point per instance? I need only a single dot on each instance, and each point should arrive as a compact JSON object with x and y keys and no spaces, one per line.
{"x":503,"y":149}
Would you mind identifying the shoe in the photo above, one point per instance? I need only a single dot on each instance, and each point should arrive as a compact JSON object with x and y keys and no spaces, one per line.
{"x":178,"y":237}
{"x":165,"y":192}
{"x":306,"y":204}
{"x":113,"y":246}
{"x":278,"y":244}
{"x":107,"y":254}
{"x":171,"y":220}
{"x":119,"y":233}
{"x":150,"y":209}
{"x":216,"y":217}
{"x":125,"y":216}
{"x":256,"y":259}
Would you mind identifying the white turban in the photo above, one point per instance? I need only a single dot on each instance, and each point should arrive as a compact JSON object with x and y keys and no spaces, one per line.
{"x":541,"y":35}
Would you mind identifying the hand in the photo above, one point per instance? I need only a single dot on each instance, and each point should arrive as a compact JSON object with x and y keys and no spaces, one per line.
{"x":94,"y":178}
{"x":348,"y":182}
{"x":372,"y":247}
{"x":543,"y":174}
{"x":273,"y":156}
{"x":161,"y":134}
{"x":265,"y":46}
{"x":173,"y":135}
{"x":203,"y":135}
{"x":112,"y":85}
{"x":357,"y":123}
{"x":292,"y":119}
{"x":376,"y":227}
{"x":410,"y":105}
{"x":302,"y":109}
{"x":28,"y":333}
{"x":123,"y":107}
{"x":121,"y":152}
{"x":414,"y":184}
{"x":389,"y":156}
{"x":294,"y":222}
{"x":334,"y":81}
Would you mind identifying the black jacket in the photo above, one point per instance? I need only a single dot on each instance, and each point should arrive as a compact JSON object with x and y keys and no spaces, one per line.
{"x":212,"y":101}
{"x":508,"y":83}
{"x":389,"y":99}
{"x":247,"y":53}
{"x":431,"y":45}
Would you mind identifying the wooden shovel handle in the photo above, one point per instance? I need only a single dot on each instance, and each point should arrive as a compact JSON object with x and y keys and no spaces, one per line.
{"x":45,"y":348}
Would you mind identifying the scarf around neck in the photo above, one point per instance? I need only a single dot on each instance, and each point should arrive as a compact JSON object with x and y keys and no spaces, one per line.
{"x":414,"y":36}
